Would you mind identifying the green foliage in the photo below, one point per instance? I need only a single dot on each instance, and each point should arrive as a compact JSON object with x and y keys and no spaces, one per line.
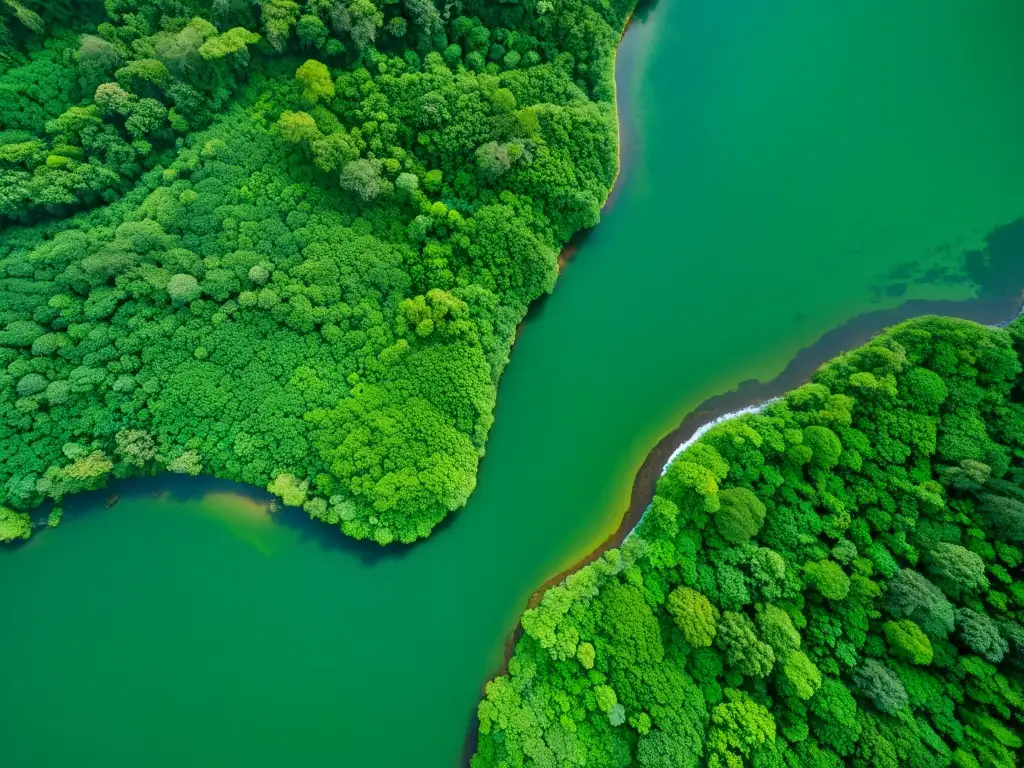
{"x":232,"y":42}
{"x":183,"y":288}
{"x":739,"y":729}
{"x":14,"y":525}
{"x":740,"y":515}
{"x":586,"y":655}
{"x":956,"y":568}
{"x":911,"y":595}
{"x":801,"y":673}
{"x":135,"y":447}
{"x":291,"y":490}
{"x":741,"y":646}
{"x":800,"y":628}
{"x":267,"y":240}
{"x":879,"y":687}
{"x":828,"y":578}
{"x":776,"y":628}
{"x":907,"y":641}
{"x":694,"y":615}
{"x":825,"y":446}
{"x":315,"y":79}
{"x":981,"y":635}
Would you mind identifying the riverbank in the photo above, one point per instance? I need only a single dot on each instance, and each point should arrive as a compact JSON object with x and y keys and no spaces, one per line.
{"x":748,"y":396}
{"x":564,"y":257}
{"x":570,"y":249}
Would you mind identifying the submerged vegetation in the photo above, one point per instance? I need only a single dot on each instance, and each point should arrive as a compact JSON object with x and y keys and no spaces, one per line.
{"x":286,"y":243}
{"x":832,"y":581}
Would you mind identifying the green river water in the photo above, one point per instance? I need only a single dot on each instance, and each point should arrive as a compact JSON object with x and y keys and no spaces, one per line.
{"x":789,"y":165}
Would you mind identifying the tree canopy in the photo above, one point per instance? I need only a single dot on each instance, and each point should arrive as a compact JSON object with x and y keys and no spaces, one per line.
{"x":286,"y":243}
{"x":833,"y":581}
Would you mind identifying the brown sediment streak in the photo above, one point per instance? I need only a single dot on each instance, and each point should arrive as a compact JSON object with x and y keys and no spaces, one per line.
{"x":850,"y":335}
{"x":566,"y":254}
{"x":564,"y":257}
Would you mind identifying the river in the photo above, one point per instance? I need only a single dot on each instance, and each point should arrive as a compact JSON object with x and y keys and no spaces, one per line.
{"x":790,"y":165}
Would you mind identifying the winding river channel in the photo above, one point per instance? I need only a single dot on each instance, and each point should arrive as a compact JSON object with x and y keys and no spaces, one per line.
{"x":797,"y":174}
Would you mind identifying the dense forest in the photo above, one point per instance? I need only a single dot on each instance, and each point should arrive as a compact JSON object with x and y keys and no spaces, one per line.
{"x":284,"y":242}
{"x":832,"y":581}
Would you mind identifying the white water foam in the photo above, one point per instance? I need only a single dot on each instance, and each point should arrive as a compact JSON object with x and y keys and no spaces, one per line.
{"x":704,"y":428}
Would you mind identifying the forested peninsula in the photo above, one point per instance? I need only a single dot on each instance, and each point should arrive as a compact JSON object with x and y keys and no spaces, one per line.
{"x":285,"y":243}
{"x":832,"y":581}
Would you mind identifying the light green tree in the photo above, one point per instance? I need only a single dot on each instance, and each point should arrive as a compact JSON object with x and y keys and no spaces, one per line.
{"x":694,"y":615}
{"x":291,"y":490}
{"x":315,"y":79}
{"x":14,"y":525}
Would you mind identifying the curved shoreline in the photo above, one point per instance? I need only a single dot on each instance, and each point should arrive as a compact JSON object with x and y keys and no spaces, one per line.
{"x":564,"y":257}
{"x":752,"y":393}
{"x":748,"y":395}
{"x":570,"y":248}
